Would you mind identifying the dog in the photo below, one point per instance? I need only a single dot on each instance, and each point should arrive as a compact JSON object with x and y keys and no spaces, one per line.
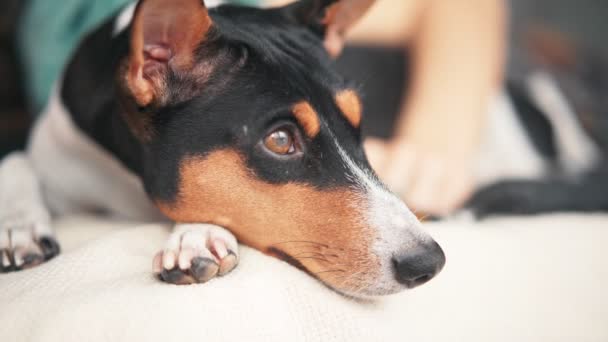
{"x":230,"y":122}
{"x":558,"y":107}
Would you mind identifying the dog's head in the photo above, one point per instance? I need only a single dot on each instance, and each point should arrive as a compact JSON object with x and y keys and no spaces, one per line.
{"x":246,"y":125}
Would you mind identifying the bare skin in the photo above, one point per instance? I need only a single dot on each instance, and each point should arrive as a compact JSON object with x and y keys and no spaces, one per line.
{"x":457,"y":49}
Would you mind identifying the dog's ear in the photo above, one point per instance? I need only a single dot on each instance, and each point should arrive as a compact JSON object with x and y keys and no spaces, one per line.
{"x":333,"y":17}
{"x":165,"y":34}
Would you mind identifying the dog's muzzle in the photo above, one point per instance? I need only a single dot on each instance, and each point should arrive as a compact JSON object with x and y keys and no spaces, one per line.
{"x":419,"y":264}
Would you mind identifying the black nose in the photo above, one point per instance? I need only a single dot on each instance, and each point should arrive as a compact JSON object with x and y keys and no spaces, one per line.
{"x":419,"y":264}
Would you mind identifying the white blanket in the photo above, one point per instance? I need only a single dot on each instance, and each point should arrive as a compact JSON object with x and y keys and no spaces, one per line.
{"x":534,"y":279}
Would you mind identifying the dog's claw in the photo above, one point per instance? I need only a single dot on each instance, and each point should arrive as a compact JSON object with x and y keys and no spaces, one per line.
{"x":20,"y":250}
{"x":176,"y":276}
{"x":203,"y":269}
{"x":5,"y":261}
{"x":30,"y":260}
{"x":49,"y":246}
{"x":228,"y":263}
{"x":196,"y":253}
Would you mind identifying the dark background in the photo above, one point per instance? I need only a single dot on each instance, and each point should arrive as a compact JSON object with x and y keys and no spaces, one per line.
{"x":14,"y":119}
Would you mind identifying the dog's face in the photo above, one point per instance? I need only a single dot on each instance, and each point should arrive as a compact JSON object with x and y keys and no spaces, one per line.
{"x":245,"y":125}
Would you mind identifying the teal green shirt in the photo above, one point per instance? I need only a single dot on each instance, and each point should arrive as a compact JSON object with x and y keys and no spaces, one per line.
{"x":48,"y":33}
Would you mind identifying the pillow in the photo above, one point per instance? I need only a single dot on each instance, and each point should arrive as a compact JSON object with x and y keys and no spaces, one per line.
{"x":505,"y":280}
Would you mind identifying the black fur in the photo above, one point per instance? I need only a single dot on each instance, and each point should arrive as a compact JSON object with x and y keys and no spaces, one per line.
{"x":587,"y":194}
{"x":534,"y":121}
{"x":264,"y":62}
{"x":89,"y":92}
{"x":381,"y":76}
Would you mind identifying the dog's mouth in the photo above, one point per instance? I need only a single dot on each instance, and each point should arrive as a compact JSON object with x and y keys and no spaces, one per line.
{"x":354,"y":291}
{"x":410,"y":269}
{"x":284,"y":256}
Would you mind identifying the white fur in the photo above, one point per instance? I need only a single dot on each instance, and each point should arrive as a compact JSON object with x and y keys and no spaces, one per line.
{"x":124,"y":18}
{"x":506,"y":151}
{"x":24,"y":219}
{"x":397,"y":227}
{"x":21,"y":203}
{"x":77,"y":174}
{"x":577,"y":153}
{"x":213,"y":3}
{"x":189,"y":241}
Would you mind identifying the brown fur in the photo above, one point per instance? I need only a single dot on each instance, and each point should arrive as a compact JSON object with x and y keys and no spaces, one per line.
{"x":307,"y":117}
{"x":330,"y":241}
{"x":350,"y":105}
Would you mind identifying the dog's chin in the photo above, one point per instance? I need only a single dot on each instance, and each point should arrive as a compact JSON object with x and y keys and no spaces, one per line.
{"x":384,"y":284}
{"x":370,"y":293}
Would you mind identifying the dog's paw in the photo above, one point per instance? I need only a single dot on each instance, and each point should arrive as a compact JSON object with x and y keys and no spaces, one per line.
{"x":22,"y":247}
{"x":196,"y":253}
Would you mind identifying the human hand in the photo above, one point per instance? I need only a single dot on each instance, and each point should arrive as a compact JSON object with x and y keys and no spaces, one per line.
{"x":431,"y":181}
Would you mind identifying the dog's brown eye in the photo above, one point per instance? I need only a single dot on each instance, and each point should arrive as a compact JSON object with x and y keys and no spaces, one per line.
{"x":280,"y":142}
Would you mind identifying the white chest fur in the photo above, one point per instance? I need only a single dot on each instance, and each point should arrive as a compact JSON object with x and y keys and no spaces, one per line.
{"x":77,"y":174}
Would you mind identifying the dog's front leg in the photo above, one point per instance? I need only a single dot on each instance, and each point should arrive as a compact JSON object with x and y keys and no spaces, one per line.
{"x":195,"y":253}
{"x":26,"y":237}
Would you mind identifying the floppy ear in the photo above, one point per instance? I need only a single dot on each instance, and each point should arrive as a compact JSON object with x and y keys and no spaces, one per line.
{"x":334,"y":17}
{"x":164,"y":34}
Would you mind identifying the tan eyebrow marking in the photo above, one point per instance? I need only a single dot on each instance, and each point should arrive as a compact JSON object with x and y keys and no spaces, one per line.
{"x":349,"y":103}
{"x":307,"y":117}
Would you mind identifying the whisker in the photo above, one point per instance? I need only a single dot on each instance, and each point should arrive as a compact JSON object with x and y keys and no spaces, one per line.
{"x":313,"y":257}
{"x":328,"y":271}
{"x":300,"y":241}
{"x":356,"y":277}
{"x":311,"y":253}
